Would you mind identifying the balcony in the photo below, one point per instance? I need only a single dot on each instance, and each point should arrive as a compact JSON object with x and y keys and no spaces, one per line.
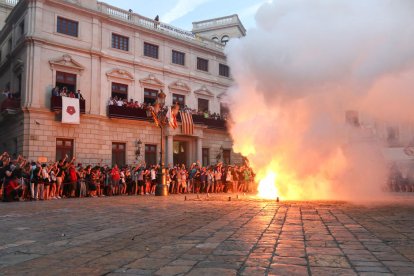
{"x":130,"y":113}
{"x":56,"y":104}
{"x":211,"y":123}
{"x":10,"y":106}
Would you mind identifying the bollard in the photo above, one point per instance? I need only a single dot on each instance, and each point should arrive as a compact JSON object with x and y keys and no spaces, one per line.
{"x":277,"y":199}
{"x":198,"y":197}
{"x":229,"y":198}
{"x":185,"y":197}
{"x":237,"y":197}
{"x":208,"y":195}
{"x":244,"y":194}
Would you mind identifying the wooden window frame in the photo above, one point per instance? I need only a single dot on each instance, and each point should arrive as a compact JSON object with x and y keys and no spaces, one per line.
{"x":120,"y":42}
{"x":202,"y":64}
{"x":152,"y":95}
{"x":118,"y":154}
{"x":177,"y":97}
{"x":65,"y":25}
{"x":198,"y":104}
{"x":224,"y":70}
{"x":115,"y":89}
{"x":63,"y":149}
{"x":151,"y":50}
{"x":227,"y":155}
{"x":178,"y":57}
{"x":66,"y":80}
{"x":150,"y":154}
{"x":205,"y":156}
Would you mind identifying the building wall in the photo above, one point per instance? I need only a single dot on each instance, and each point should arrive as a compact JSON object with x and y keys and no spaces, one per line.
{"x":41,"y":51}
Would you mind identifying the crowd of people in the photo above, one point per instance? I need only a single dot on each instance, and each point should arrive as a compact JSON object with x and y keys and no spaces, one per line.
{"x":118,"y":101}
{"x":21,"y":180}
{"x":401,"y":179}
{"x":65,"y":92}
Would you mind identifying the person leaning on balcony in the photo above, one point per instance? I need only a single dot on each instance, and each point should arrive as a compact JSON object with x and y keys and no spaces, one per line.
{"x":78,"y":95}
{"x":64,"y":92}
{"x":55,"y":91}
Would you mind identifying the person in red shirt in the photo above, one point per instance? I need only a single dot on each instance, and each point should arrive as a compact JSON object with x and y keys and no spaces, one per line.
{"x":13,"y":190}
{"x":115,"y":177}
{"x":73,"y":178}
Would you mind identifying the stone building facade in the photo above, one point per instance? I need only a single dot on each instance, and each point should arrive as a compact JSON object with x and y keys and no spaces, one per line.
{"x":99,"y":49}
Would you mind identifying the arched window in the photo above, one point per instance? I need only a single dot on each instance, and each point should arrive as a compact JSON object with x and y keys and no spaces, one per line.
{"x":215,"y":39}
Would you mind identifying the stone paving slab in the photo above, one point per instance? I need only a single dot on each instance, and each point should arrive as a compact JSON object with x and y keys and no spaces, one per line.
{"x":147,"y":235}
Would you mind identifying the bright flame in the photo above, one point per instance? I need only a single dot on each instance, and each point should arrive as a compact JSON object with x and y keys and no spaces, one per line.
{"x":267,"y":186}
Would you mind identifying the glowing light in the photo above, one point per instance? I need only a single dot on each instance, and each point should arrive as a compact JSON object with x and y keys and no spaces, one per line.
{"x":267,"y":186}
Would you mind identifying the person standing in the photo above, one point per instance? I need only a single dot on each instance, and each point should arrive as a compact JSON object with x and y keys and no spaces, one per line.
{"x":115,"y":176}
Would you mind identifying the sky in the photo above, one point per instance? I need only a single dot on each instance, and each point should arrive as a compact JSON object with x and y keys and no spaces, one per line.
{"x":181,"y":13}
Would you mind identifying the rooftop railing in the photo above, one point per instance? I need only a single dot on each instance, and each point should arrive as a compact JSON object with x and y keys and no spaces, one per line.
{"x":158,"y":26}
{"x":11,"y":3}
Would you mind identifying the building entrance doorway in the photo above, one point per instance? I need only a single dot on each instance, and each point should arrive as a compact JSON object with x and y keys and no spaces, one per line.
{"x":180,"y":149}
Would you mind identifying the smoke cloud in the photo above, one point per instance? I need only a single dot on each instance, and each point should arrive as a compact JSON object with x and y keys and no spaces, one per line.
{"x":297,"y":74}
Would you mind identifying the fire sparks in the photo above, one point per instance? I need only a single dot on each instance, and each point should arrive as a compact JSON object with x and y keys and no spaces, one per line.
{"x":267,"y":186}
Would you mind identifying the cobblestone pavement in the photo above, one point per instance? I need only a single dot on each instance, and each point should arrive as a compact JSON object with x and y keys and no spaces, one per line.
{"x":146,"y":235}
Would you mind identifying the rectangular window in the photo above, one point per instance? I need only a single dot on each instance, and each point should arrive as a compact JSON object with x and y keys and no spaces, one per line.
{"x":202,"y":64}
{"x":206,"y":156}
{"x":150,"y":96}
{"x":151,"y":154}
{"x":118,"y":154}
{"x":180,"y":99}
{"x":178,"y":57}
{"x":150,"y":50}
{"x":67,"y":26}
{"x":67,"y":80}
{"x":64,"y":147}
{"x":226,"y":156}
{"x":202,"y":105}
{"x":119,"y":90}
{"x":224,"y":70}
{"x":120,"y":42}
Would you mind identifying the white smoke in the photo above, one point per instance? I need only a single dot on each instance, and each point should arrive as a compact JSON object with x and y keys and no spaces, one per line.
{"x":301,"y":69}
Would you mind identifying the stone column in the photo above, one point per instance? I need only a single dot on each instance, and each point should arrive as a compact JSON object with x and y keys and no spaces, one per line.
{"x":200,"y":150}
{"x":169,"y":151}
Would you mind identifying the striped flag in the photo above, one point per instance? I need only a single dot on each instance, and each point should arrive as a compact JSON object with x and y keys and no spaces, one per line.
{"x":172,"y":119}
{"x":187,"y":125}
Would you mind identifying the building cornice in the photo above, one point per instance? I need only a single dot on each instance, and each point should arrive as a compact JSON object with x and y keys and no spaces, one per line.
{"x":41,"y":41}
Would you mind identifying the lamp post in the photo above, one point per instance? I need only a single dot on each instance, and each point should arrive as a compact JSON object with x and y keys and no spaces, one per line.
{"x":159,"y":115}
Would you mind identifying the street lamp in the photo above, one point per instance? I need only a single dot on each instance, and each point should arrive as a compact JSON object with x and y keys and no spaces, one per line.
{"x":159,"y":115}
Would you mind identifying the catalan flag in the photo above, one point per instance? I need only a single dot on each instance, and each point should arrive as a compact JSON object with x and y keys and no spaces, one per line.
{"x":187,"y":125}
{"x":172,"y":119}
